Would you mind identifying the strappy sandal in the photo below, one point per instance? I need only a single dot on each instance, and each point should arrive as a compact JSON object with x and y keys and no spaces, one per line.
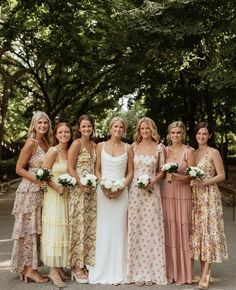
{"x":139,"y":283}
{"x":79,"y":277}
{"x":56,"y":279}
{"x":148,"y":283}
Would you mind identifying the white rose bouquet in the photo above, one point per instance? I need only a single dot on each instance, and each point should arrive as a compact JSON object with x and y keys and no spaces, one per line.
{"x":194,"y":172}
{"x":89,"y":180}
{"x":43,"y":174}
{"x":113,"y":184}
{"x":143,"y":181}
{"x":170,"y":167}
{"x":66,"y":180}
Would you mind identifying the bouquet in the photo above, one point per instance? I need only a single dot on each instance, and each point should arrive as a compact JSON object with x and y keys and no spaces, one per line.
{"x":170,"y":167}
{"x":113,"y":184}
{"x":143,"y":181}
{"x":194,"y":172}
{"x":67,"y":180}
{"x":89,"y":180}
{"x":43,"y":174}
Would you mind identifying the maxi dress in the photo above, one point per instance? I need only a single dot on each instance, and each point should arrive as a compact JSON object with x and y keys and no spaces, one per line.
{"x":54,"y":238}
{"x":177,"y":210}
{"x":146,"y":240}
{"x":82,"y":216}
{"x":111,"y":242}
{"x":208,"y":242}
{"x":27,"y":211}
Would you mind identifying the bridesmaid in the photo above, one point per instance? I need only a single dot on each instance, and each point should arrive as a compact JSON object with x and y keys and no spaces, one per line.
{"x":177,"y":208}
{"x":28,"y":203}
{"x":208,"y":243}
{"x":146,"y":241}
{"x":54,"y":238}
{"x":82,"y":202}
{"x":114,"y":160}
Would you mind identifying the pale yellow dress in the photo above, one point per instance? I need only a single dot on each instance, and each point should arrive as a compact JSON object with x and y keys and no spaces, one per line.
{"x":54,"y":238}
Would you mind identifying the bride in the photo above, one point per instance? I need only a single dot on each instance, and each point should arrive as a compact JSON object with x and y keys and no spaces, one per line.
{"x":114,"y":161}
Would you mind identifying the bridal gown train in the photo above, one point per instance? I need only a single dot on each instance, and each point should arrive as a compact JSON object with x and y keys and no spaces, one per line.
{"x":111,"y":232}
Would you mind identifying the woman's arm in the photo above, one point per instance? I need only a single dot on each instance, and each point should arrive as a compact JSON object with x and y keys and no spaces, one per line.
{"x":48,"y":162}
{"x":72,"y":159}
{"x":219,"y":167}
{"x":191,"y":161}
{"x":25,"y":155}
{"x":130,"y":166}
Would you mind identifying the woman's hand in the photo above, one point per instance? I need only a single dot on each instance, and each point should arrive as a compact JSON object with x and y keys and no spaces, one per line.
{"x":150,"y":185}
{"x":112,"y":195}
{"x":87,"y":189}
{"x":197,"y":182}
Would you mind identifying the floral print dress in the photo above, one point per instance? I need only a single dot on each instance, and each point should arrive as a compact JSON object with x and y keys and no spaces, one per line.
{"x":27,"y":211}
{"x":208,"y":242}
{"x":82,"y":217}
{"x":146,"y":259}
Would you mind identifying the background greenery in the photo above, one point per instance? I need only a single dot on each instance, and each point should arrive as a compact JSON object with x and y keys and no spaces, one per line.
{"x":170,"y":60}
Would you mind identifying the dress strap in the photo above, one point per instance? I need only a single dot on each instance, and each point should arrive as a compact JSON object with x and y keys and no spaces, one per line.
{"x":125,"y":147}
{"x":55,"y":150}
{"x":103,"y":145}
{"x":207,"y":154}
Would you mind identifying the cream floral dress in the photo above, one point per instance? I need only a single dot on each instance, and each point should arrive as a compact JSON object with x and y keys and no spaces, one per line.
{"x":82,"y":217}
{"x":208,"y":241}
{"x":146,"y":259}
{"x":27,"y":211}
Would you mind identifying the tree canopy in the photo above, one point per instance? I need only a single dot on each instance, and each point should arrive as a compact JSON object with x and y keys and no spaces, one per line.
{"x":175,"y":59}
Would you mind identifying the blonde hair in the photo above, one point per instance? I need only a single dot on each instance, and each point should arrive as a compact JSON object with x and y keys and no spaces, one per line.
{"x":175,"y":124}
{"x":114,"y":119}
{"x":155,"y":136}
{"x":31,"y":131}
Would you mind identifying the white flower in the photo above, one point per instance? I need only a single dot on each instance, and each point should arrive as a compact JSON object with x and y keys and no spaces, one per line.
{"x":67,"y":180}
{"x":170,"y":167}
{"x":143,"y":180}
{"x":112,"y":184}
{"x":89,"y":180}
{"x":194,"y":172}
{"x":40,"y":172}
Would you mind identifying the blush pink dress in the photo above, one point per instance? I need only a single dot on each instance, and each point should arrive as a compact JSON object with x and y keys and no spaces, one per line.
{"x":177,"y":209}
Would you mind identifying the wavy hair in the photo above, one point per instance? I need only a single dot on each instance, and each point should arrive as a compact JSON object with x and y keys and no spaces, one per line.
{"x":31,"y":131}
{"x":155,"y":136}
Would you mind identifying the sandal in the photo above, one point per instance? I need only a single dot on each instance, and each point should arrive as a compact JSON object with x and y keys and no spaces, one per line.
{"x":79,"y":276}
{"x":148,"y":283}
{"x":139,"y":283}
{"x":64,"y":276}
{"x":56,"y":279}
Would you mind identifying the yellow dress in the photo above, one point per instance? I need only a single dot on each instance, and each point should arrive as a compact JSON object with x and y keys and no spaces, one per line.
{"x":54,"y":238}
{"x":82,"y":217}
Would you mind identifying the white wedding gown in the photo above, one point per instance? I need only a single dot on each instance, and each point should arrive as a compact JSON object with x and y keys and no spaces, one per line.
{"x":111,"y":232}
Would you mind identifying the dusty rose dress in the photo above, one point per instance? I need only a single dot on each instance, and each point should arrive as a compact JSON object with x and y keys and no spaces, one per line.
{"x":146,"y":259}
{"x":27,"y":211}
{"x":208,"y":241}
{"x":177,"y":209}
